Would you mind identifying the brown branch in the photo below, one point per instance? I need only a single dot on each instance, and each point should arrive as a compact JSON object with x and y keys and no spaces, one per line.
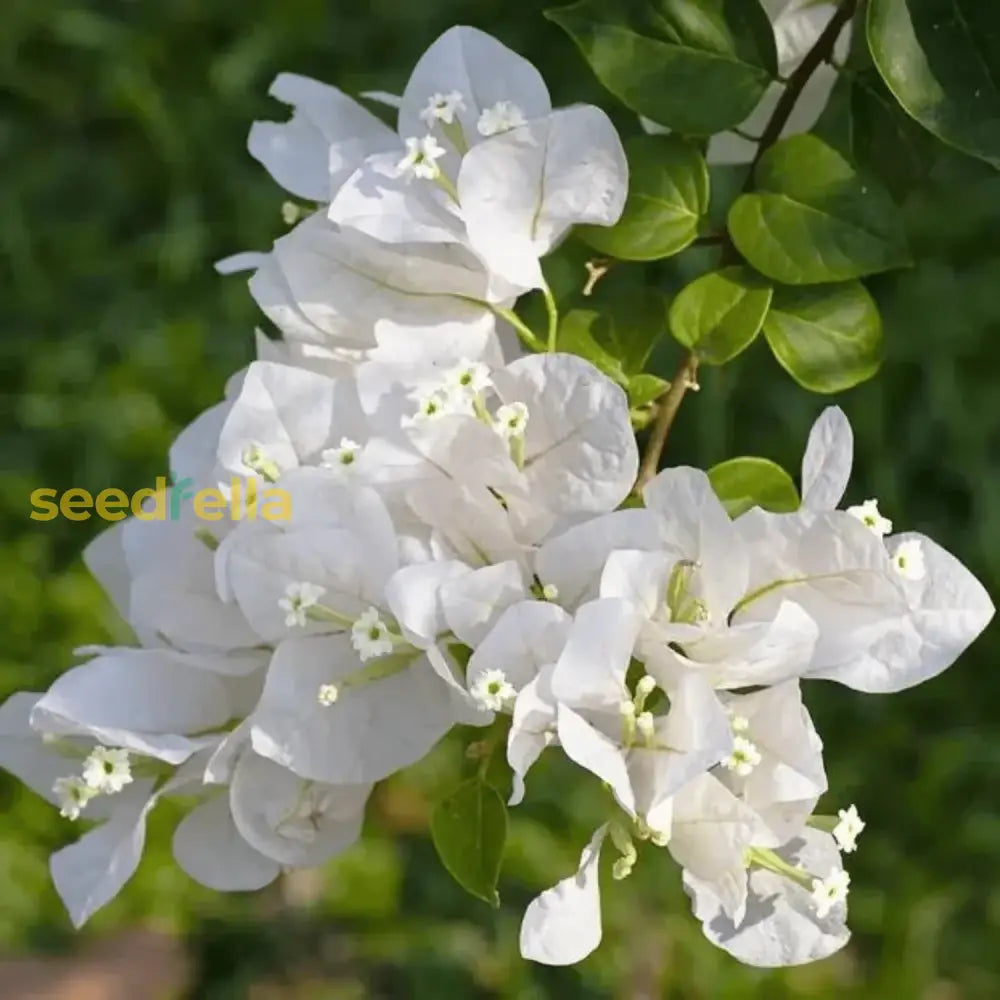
{"x":686,"y":378}
{"x":688,"y":371}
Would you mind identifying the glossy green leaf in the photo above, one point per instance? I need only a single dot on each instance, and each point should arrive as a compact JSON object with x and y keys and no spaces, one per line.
{"x":469,"y":829}
{"x":645,"y":389}
{"x":620,"y":337}
{"x":668,"y":196}
{"x":828,"y":339}
{"x":941,"y":60}
{"x":742,"y":483}
{"x":813,"y":218}
{"x":720,"y":314}
{"x":697,"y":66}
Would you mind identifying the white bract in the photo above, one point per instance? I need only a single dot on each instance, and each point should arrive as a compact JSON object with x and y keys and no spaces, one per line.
{"x":457,"y":545}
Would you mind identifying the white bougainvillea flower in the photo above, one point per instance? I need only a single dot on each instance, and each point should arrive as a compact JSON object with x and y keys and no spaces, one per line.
{"x":786,"y":778}
{"x":562,"y":926}
{"x":340,"y":538}
{"x":290,"y":416}
{"x":710,"y":832}
{"x":501,"y":117}
{"x":481,"y":71}
{"x":472,"y":602}
{"x":209,"y":847}
{"x":781,"y":925}
{"x":908,"y":559}
{"x":608,"y":728}
{"x":868,"y":514}
{"x":442,"y":108}
{"x":522,"y":190}
{"x":421,"y":158}
{"x":291,"y":820}
{"x":848,"y":829}
{"x":522,"y":649}
{"x":880,"y":631}
{"x":298,"y":599}
{"x":333,"y":287}
{"x":327,"y":137}
{"x":107,"y":770}
{"x":691,"y":590}
{"x":149,"y":701}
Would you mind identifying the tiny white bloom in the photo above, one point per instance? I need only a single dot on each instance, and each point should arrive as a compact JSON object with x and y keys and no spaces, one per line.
{"x":345,"y":453}
{"x":256,"y":460}
{"x":73,"y":794}
{"x":438,"y":402}
{"x":828,"y":892}
{"x":468,"y":377}
{"x":511,"y":420}
{"x":739,"y":723}
{"x":909,"y":560}
{"x":328,"y":694}
{"x":107,"y":771}
{"x":370,"y":635}
{"x":442,"y":107}
{"x":550,"y":592}
{"x":502,"y":117}
{"x":298,"y":598}
{"x":847,"y":830}
{"x":744,"y":758}
{"x":868,"y":514}
{"x":421,"y":158}
{"x":493,"y":691}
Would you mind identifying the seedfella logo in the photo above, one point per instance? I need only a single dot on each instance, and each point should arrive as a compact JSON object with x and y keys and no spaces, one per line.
{"x":244,"y":500}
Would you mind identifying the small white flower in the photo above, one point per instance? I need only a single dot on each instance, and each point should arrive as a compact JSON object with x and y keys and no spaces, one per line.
{"x":73,"y":794}
{"x":327,"y":694}
{"x":442,"y":108}
{"x":468,"y":377}
{"x":502,"y":117}
{"x":107,"y":771}
{"x":828,"y":892}
{"x":298,"y":598}
{"x":370,"y":636}
{"x":421,"y":158}
{"x":511,"y":420}
{"x":438,"y":402}
{"x":847,"y":830}
{"x":744,"y":758}
{"x":493,"y":691}
{"x":256,"y":460}
{"x":739,"y":723}
{"x":345,"y":453}
{"x":868,"y":514}
{"x":550,"y":592}
{"x":909,"y":560}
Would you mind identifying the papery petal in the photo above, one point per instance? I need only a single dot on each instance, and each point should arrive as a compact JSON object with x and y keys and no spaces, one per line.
{"x":562,"y":926}
{"x":826,"y":465}
{"x":211,"y":850}
{"x":326,"y":138}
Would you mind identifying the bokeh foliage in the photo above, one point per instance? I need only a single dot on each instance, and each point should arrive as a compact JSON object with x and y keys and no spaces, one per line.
{"x":123,"y":175}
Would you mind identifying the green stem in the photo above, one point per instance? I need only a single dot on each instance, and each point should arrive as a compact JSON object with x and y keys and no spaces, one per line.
{"x":523,"y":330}
{"x":553,"y":312}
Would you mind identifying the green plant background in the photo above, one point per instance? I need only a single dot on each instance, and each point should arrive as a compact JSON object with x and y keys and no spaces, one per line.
{"x":123,"y":175}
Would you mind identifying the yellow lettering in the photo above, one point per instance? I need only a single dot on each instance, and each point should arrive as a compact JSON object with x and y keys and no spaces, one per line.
{"x":44,"y":506}
{"x":111,"y":505}
{"x":281,"y":503}
{"x":209,"y":505}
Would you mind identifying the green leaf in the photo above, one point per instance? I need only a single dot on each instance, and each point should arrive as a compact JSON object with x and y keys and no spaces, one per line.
{"x":941,"y":60}
{"x":815,"y":219}
{"x":720,"y":314}
{"x":828,"y":339}
{"x":645,"y":389}
{"x":469,"y":829}
{"x":620,"y":338}
{"x":697,"y":66}
{"x":667,"y":198}
{"x":742,"y":483}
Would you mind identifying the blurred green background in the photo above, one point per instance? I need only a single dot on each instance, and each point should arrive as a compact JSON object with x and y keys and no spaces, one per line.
{"x":123,"y":175}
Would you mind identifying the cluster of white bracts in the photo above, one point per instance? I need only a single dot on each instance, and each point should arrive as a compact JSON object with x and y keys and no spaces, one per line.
{"x":456,"y":550}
